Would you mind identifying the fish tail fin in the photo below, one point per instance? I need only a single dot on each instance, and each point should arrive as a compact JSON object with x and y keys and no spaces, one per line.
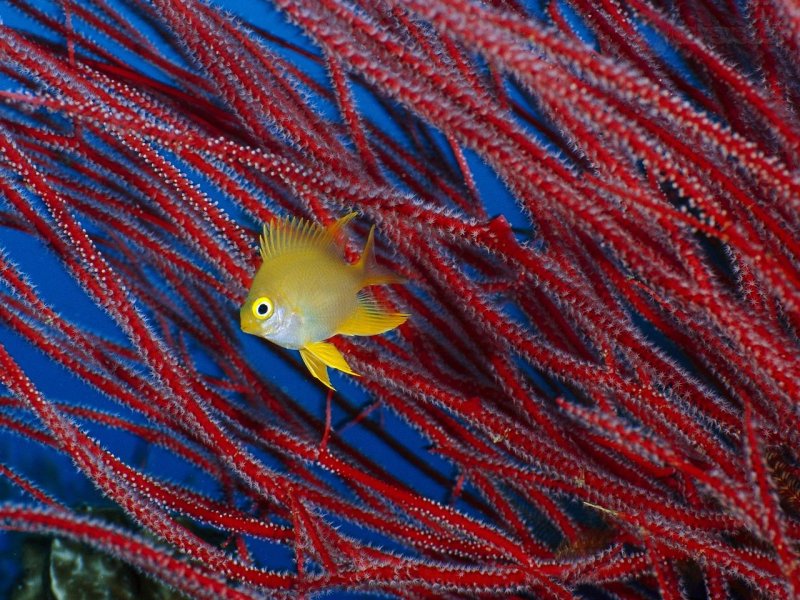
{"x":372,"y":273}
{"x":318,"y":356}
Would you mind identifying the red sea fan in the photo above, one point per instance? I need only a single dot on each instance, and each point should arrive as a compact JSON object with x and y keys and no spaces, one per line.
{"x":607,"y":381}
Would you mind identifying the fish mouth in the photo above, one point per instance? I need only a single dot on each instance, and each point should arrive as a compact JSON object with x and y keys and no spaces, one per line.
{"x":247,"y":325}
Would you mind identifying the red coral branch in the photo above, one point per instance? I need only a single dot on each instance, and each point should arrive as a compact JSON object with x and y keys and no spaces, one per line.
{"x":603,"y":381}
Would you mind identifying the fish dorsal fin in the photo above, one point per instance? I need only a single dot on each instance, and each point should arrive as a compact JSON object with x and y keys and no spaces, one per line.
{"x":319,"y":355}
{"x":371,"y":272}
{"x":371,"y":317}
{"x":284,"y":235}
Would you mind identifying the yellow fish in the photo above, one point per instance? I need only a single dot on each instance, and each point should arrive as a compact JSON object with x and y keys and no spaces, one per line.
{"x":306,"y":292}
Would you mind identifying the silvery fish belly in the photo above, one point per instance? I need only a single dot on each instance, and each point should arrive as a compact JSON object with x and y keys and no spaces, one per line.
{"x":305,"y":292}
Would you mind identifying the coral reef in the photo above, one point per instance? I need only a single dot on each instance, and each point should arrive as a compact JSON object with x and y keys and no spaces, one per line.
{"x":595,"y":206}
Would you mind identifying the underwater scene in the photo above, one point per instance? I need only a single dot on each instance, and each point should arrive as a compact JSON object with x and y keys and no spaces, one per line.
{"x":399,"y":299}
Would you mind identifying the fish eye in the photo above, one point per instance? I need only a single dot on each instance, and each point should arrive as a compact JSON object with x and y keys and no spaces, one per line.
{"x":263,"y":308}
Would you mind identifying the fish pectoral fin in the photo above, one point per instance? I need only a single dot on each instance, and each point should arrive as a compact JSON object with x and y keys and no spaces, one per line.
{"x":316,"y":367}
{"x":328,"y":355}
{"x":371,"y":318}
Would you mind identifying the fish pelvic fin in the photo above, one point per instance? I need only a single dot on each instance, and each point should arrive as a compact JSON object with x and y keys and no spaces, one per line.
{"x":372,"y":273}
{"x":283,"y":235}
{"x":316,"y":367}
{"x":371,"y":317}
{"x":317,"y":356}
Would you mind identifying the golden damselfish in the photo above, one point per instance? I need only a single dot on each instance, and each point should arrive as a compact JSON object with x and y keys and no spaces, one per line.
{"x":306,"y":292}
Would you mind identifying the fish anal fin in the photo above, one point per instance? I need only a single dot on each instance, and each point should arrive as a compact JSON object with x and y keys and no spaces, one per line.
{"x":371,"y":318}
{"x":330,"y":356}
{"x":316,"y":367}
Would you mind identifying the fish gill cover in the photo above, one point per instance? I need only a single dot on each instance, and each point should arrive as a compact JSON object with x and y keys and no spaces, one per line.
{"x":594,"y":206}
